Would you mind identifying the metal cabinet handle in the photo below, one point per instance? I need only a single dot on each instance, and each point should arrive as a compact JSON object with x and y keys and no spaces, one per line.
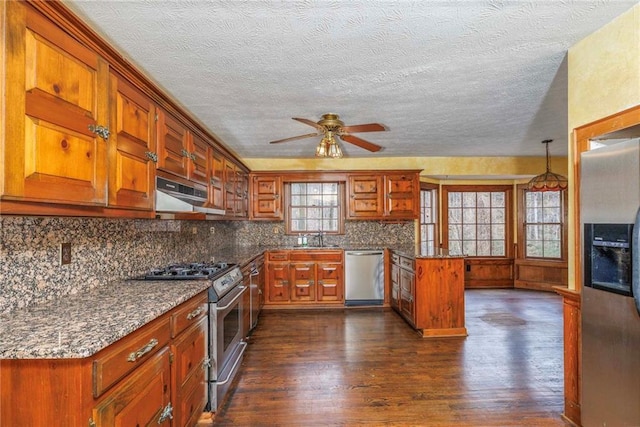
{"x":206,"y":363}
{"x":192,"y":156}
{"x":184,"y":153}
{"x":101,"y":131}
{"x":135,"y":355}
{"x":152,"y":156}
{"x":195,"y":313}
{"x":166,"y":414}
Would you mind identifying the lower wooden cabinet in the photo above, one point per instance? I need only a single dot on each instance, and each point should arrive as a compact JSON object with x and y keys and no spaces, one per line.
{"x":153,"y":376}
{"x":140,"y":400}
{"x":429,"y":294}
{"x":305,"y":277}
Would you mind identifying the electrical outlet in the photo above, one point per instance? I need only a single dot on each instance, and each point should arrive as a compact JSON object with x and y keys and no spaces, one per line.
{"x":65,"y":253}
{"x":194,"y":230}
{"x":275,"y":230}
{"x":212,"y":230}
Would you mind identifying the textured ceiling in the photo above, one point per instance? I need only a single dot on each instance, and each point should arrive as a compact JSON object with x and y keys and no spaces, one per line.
{"x":448,"y":78}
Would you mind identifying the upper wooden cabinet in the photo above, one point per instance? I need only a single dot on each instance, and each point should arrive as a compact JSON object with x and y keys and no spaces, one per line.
{"x":56,"y":121}
{"x":173,"y":145}
{"x":199,"y":160}
{"x":132,"y":147}
{"x":365,"y":196}
{"x":402,"y":195}
{"x":384,"y":195}
{"x":216,"y":181}
{"x":266,"y":197}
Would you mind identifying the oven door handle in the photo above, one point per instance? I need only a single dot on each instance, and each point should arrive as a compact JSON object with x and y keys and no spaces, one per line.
{"x":243,"y":289}
{"x":233,"y":368}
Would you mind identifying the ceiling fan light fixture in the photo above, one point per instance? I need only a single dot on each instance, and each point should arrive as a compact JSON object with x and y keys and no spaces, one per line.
{"x":548,"y":181}
{"x":334,"y":149}
{"x":322,"y":150}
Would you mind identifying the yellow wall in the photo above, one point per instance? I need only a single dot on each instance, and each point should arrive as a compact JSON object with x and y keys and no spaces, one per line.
{"x":604,"y":79}
{"x":441,"y":166}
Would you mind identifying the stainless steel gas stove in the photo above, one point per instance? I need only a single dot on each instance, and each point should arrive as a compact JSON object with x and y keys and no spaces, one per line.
{"x":226,"y":345}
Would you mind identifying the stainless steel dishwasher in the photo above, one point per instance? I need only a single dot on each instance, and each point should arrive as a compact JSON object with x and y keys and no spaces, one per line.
{"x":364,"y":277}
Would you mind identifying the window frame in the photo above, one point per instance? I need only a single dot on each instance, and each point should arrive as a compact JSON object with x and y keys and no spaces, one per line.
{"x":435,"y":200}
{"x":287,"y":205}
{"x":508,"y":192}
{"x":522,"y":237}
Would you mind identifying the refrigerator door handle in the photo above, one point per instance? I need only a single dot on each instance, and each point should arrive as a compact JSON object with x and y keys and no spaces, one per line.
{"x":635,"y":262}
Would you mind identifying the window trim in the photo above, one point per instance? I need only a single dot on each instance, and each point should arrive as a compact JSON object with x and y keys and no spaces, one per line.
{"x":424,"y":186}
{"x":287,"y":205}
{"x":507,"y":189}
{"x":522,"y":238}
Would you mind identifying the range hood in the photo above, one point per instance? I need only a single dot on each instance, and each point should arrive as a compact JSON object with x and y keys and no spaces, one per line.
{"x":175,"y":197}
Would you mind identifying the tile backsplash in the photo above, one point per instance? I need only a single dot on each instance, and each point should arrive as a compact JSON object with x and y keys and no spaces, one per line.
{"x":105,"y":250}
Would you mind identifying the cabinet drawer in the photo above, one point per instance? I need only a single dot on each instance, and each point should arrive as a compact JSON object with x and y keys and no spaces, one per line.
{"x":117,"y":360}
{"x":395,"y":258}
{"x":316,"y":255}
{"x":407,"y":263}
{"x":278,"y":256}
{"x":192,"y":402}
{"x":188,"y":314}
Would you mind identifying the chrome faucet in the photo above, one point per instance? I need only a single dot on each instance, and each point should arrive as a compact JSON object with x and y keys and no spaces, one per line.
{"x":320,"y":237}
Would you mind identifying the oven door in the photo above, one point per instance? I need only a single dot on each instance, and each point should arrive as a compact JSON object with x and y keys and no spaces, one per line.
{"x":226,"y":344}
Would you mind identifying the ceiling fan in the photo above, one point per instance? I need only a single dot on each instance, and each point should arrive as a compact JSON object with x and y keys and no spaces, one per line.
{"x":329,"y":126}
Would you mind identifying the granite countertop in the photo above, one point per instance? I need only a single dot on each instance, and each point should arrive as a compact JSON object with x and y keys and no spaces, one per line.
{"x":80,"y":325}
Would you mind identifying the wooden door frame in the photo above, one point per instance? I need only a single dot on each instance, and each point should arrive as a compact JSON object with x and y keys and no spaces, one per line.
{"x":579,"y":144}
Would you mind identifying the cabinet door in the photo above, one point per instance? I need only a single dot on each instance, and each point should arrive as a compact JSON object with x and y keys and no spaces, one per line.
{"x":395,"y":286}
{"x":142,"y":399}
{"x":266,"y":200}
{"x":278,"y":282}
{"x":56,"y":92}
{"x":365,"y":196}
{"x":173,"y":144}
{"x":190,"y":393}
{"x":304,"y":282}
{"x":230,"y":179}
{"x":199,"y":160}
{"x":217,"y":182}
{"x":242,"y":194}
{"x":131,"y":168}
{"x":330,"y":282}
{"x":402,"y":196}
{"x":407,"y":295}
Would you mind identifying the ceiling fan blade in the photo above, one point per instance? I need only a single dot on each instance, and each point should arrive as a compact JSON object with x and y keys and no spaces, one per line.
{"x":361,"y":143}
{"x":293,"y":138}
{"x":369,"y":127}
{"x":310,"y":123}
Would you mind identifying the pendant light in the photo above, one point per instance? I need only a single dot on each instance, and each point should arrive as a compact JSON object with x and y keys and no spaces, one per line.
{"x":548,"y":181}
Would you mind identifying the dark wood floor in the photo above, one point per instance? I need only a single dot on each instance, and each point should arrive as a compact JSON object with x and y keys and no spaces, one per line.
{"x":367,"y":367}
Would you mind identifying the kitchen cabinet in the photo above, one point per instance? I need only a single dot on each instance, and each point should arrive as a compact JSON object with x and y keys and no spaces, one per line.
{"x":365,"y":196}
{"x":383,"y":195}
{"x":132,"y":147}
{"x":216,"y":181}
{"x":173,"y":145}
{"x":266,"y":197}
{"x":305,"y":277}
{"x":429,"y":294}
{"x":402,"y":195}
{"x":145,"y":378}
{"x":142,"y":399}
{"x":277,"y":272}
{"x":54,"y":148}
{"x":403,"y":286}
{"x":199,"y":160}
{"x":236,"y":190}
{"x":253,"y":278}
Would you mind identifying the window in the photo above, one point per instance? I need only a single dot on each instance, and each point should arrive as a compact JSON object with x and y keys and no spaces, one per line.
{"x":428,"y":219}
{"x":477,"y":220}
{"x":542,"y":232}
{"x":314,"y":206}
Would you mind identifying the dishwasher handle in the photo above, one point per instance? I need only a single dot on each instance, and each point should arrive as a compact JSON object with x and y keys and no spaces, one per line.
{"x":363,"y":253}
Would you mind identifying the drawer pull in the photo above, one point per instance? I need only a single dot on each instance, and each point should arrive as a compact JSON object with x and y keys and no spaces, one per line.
{"x":167,"y":414}
{"x":135,"y":355}
{"x":195,"y":313}
{"x":206,"y":363}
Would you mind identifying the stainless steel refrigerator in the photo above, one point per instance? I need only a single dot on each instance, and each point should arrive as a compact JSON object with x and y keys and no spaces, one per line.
{"x":610,"y":198}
